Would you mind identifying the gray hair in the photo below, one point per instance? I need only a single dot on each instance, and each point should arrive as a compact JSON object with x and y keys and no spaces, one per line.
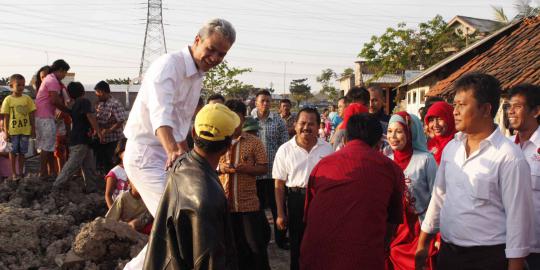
{"x":221,"y":26}
{"x":377,"y":89}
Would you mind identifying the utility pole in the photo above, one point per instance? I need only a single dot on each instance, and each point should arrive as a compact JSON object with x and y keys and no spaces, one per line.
{"x":154,"y":37}
{"x":284,"y":76}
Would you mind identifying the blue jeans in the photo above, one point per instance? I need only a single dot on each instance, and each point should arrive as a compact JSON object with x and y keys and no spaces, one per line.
{"x":19,"y":143}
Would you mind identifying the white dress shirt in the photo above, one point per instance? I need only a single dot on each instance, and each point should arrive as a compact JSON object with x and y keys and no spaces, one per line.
{"x":531,"y":150}
{"x":484,"y":199}
{"x":168,"y":96}
{"x":293,"y":164}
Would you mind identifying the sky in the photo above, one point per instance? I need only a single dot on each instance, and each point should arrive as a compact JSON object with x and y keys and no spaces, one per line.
{"x":279,"y":40}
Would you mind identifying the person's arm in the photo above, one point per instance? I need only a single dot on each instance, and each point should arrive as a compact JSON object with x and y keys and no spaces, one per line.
{"x":161,"y":108}
{"x":110,"y":186}
{"x":166,"y":138}
{"x":93,"y":122}
{"x":280,"y":174}
{"x":119,"y":115}
{"x":281,"y":220}
{"x":57,"y":102}
{"x":114,"y":127}
{"x":32,"y":124}
{"x":516,"y":191}
{"x":254,"y":170}
{"x":4,"y":113}
{"x":430,"y":224}
{"x":395,"y":206}
{"x":141,"y":220}
{"x":6,"y":124}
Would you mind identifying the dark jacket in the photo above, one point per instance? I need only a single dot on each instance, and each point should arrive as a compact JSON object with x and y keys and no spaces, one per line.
{"x":192,"y":227}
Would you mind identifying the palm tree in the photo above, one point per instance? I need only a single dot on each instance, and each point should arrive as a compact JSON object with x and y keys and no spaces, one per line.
{"x":523,"y":8}
{"x":499,"y":15}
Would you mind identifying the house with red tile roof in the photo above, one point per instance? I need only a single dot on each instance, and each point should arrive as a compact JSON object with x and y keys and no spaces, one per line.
{"x":511,"y":54}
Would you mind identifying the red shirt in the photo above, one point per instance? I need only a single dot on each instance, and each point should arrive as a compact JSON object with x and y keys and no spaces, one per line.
{"x":351,"y":196}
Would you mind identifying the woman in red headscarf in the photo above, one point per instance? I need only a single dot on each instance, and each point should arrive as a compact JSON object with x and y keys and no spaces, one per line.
{"x":406,"y":138}
{"x":440,"y":121}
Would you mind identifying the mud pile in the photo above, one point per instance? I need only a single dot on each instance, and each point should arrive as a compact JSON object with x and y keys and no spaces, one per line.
{"x":45,"y":229}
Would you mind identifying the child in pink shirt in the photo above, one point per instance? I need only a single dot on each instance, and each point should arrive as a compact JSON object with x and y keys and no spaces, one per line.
{"x":116,"y":179}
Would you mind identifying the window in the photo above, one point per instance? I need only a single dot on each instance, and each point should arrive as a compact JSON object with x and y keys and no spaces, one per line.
{"x":422,"y":93}
{"x":414,"y":97}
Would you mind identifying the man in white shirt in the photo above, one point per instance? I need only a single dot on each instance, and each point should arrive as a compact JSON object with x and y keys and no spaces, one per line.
{"x":161,"y":115}
{"x":522,"y":115}
{"x":292,"y":166}
{"x":481,"y":200}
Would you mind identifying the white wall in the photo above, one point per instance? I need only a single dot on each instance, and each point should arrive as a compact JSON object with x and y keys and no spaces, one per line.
{"x":415,"y":99}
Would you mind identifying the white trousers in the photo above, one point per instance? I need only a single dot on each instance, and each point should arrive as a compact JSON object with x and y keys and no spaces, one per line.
{"x":145,"y":168}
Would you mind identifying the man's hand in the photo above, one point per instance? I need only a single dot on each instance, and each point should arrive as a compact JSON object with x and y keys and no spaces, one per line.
{"x":244,"y":168}
{"x":104,"y":131}
{"x":420,"y":258}
{"x":281,"y":223}
{"x":172,"y":156}
{"x":516,"y":263}
{"x":133,"y":224}
{"x":225,"y":168}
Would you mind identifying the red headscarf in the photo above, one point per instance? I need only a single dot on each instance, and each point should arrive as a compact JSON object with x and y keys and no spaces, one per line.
{"x":403,"y":157}
{"x":444,"y":111}
{"x":352,"y":109}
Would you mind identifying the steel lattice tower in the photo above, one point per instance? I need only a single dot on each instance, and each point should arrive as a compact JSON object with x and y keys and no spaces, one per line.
{"x":154,"y":37}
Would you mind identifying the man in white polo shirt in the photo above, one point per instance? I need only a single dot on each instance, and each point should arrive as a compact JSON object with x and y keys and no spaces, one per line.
{"x":161,"y":115}
{"x":292,"y":166}
{"x":481,"y":199}
{"x":522,"y":115}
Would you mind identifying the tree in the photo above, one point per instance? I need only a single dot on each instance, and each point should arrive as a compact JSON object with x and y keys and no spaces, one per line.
{"x":300,"y":90}
{"x":499,"y":15}
{"x":222,"y":79}
{"x":404,"y":48}
{"x":523,"y":9}
{"x":347,"y":72}
{"x":327,"y":76}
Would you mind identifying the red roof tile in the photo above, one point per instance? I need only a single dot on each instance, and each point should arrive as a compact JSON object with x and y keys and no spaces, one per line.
{"x":513,"y":57}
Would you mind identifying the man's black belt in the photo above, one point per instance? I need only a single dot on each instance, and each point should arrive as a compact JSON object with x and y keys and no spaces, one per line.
{"x":297,"y":190}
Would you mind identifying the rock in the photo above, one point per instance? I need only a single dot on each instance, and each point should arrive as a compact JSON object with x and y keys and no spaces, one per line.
{"x":69,"y":261}
{"x":103,"y":240}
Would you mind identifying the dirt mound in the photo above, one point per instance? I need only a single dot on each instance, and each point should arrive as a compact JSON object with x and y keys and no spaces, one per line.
{"x":104,"y":240}
{"x":45,"y":229}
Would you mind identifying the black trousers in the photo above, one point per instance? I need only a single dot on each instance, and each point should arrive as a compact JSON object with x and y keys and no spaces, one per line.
{"x":267,"y":199}
{"x":104,"y":156}
{"x":453,"y":257}
{"x":295,"y":209}
{"x":251,"y":235}
{"x":533,"y":261}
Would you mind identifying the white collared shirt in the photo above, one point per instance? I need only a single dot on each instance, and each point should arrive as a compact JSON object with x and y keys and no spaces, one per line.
{"x":531,"y":149}
{"x":484,"y":199}
{"x":293,"y":164}
{"x":168,"y":96}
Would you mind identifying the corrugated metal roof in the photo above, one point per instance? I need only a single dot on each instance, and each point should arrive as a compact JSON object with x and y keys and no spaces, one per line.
{"x":386,"y":78}
{"x":481,"y":25}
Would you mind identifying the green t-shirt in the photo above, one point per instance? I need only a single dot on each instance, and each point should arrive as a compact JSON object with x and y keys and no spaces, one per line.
{"x":18,"y":109}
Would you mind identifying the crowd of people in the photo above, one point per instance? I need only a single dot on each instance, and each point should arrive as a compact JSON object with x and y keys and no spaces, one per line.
{"x":349,"y":188}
